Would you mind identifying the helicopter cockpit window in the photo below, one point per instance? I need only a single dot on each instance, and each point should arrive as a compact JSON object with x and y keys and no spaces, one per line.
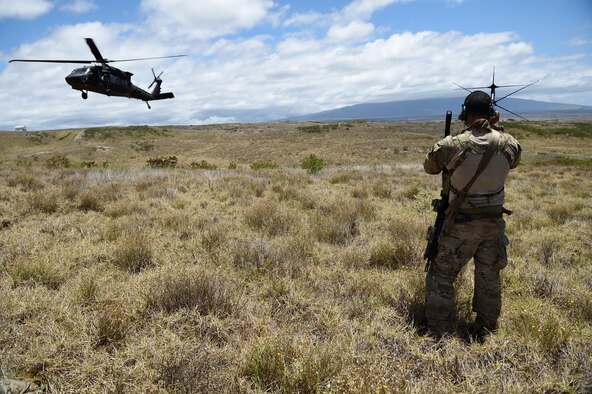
{"x":81,"y":71}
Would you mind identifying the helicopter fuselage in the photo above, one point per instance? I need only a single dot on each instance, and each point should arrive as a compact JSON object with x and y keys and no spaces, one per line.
{"x":109,"y":81}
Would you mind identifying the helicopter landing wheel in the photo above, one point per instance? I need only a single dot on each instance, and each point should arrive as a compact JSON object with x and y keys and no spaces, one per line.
{"x":84,"y":95}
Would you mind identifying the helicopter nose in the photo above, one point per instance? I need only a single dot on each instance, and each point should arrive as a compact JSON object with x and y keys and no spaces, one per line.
{"x":76,"y":80}
{"x":71,"y":80}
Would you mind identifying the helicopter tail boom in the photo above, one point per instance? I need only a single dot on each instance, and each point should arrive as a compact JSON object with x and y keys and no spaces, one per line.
{"x":162,"y":96}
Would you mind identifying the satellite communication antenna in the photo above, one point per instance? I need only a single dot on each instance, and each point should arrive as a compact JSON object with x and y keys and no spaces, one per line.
{"x":492,"y":89}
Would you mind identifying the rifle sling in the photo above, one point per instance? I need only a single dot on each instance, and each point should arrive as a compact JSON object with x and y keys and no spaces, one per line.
{"x":460,"y":197}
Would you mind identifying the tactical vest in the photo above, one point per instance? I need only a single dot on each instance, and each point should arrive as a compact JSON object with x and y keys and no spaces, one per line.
{"x":488,"y":188}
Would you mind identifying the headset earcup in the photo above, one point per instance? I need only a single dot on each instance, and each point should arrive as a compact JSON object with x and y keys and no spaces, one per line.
{"x":463,"y":114}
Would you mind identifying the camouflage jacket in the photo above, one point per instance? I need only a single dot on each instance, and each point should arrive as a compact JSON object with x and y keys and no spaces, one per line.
{"x":461,"y":155}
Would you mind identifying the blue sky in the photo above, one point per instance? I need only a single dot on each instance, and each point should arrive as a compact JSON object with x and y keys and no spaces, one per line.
{"x":258,"y":60}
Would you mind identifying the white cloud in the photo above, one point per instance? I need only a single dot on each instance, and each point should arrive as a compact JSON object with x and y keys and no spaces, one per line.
{"x":24,"y":9}
{"x":306,"y":18}
{"x":205,"y":19}
{"x":363,"y":9}
{"x":353,"y":31}
{"x":79,"y":6}
{"x":579,"y":41}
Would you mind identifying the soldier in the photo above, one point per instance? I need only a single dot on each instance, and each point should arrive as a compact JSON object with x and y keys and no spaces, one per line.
{"x":474,"y":227}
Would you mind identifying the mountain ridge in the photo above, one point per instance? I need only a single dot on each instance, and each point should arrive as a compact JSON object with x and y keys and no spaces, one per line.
{"x":426,"y":109}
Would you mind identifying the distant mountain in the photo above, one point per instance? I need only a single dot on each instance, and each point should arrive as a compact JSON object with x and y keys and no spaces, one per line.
{"x":436,"y":108}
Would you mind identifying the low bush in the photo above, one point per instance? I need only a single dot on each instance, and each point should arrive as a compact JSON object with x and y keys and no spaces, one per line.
{"x":202,"y":165}
{"x":162,"y":162}
{"x":264,"y":165}
{"x":312,"y":164}
{"x":310,"y":129}
{"x":58,"y":161}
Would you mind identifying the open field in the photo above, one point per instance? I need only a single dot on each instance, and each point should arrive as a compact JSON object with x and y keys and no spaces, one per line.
{"x":231,"y":269}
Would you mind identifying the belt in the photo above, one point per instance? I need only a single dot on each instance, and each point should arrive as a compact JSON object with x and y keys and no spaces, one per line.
{"x":472,"y":195}
{"x":495,"y":213}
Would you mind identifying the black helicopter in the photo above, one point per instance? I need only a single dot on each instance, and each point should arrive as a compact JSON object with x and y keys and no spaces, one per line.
{"x":104,"y":79}
{"x":492,"y":89}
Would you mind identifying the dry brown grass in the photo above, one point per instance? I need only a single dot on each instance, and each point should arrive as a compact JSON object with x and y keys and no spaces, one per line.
{"x":121,"y":278}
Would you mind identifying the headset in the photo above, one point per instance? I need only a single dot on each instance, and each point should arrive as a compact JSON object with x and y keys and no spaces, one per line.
{"x":463,"y":113}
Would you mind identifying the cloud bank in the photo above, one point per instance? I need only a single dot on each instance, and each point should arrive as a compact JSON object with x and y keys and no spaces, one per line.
{"x":236,"y":72}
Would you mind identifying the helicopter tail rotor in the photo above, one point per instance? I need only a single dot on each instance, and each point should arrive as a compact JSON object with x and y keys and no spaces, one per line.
{"x":156,"y":78}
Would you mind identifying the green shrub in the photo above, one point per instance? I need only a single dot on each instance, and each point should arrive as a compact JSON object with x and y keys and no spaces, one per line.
{"x":310,"y":129}
{"x":232,"y":166}
{"x":24,"y":163}
{"x":312,"y":164}
{"x":318,"y":128}
{"x":58,"y":161}
{"x":202,"y":165}
{"x":162,"y":162}
{"x":264,"y":165}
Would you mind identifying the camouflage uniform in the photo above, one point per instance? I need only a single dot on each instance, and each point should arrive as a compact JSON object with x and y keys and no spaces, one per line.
{"x":476,"y":231}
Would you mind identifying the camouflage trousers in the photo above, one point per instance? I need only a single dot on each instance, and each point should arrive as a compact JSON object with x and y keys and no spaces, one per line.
{"x":483,"y":240}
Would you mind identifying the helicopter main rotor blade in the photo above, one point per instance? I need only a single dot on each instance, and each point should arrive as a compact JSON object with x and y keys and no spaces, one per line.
{"x":51,"y":61}
{"x":95,"y":50}
{"x":462,"y":87}
{"x":142,"y":58}
{"x":513,"y":113}
{"x":516,"y":91}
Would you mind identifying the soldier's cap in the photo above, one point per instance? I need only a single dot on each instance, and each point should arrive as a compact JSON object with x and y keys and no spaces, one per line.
{"x":478,"y":101}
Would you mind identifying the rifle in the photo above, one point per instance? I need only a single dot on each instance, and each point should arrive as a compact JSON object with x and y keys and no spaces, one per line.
{"x":439,"y":206}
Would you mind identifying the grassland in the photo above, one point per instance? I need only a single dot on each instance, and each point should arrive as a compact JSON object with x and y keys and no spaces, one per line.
{"x":232,"y":269}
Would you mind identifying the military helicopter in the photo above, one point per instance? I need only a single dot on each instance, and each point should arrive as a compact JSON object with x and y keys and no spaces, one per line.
{"x":105,"y":79}
{"x":492,"y":89}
